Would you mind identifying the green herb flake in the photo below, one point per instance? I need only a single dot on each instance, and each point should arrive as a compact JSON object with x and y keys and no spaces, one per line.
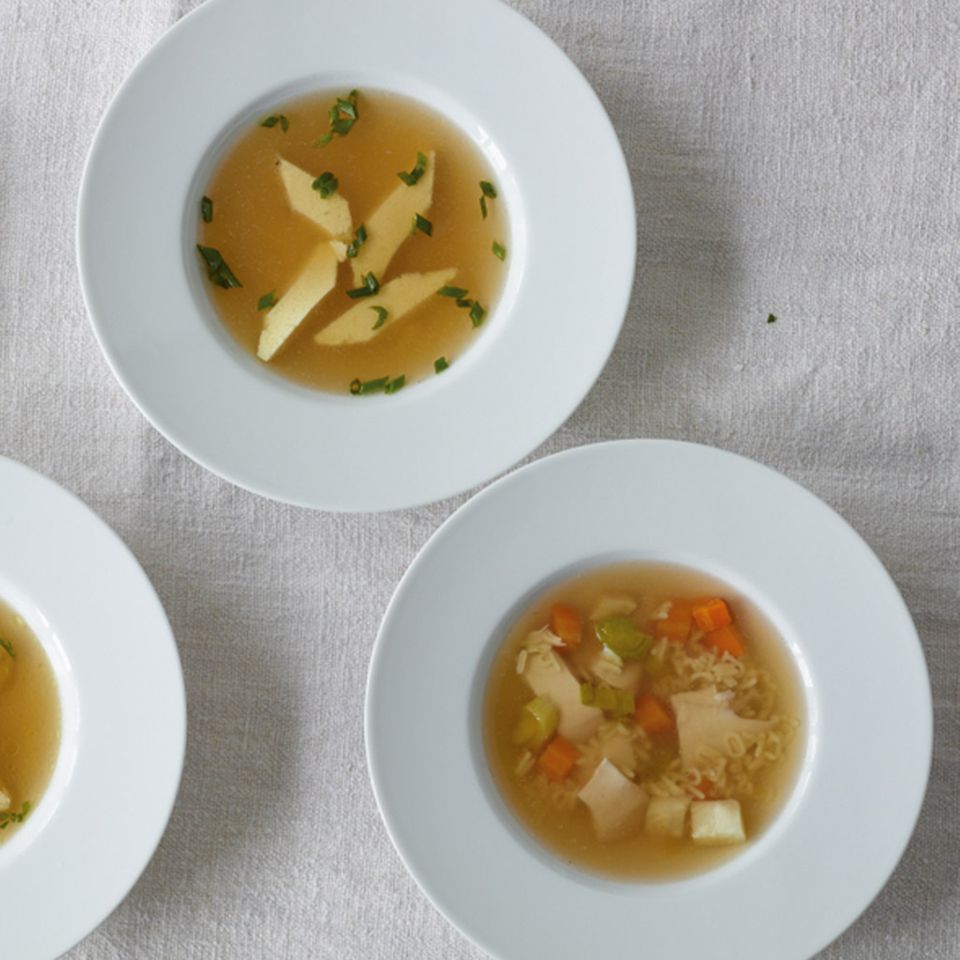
{"x":361,"y":387}
{"x":266,"y":301}
{"x":394,"y":385}
{"x":422,"y":224}
{"x":206,"y":209}
{"x":440,"y":364}
{"x":344,"y":113}
{"x":416,"y":173}
{"x":358,"y":241}
{"x":464,"y":302}
{"x":8,"y":646}
{"x":371,"y":286}
{"x":771,"y":319}
{"x":326,"y":184}
{"x":499,"y":250}
{"x":217,"y":268}
{"x":477,"y":313}
{"x":483,"y":206}
{"x":274,"y":119}
{"x":488,"y":189}
{"x":14,"y":816}
{"x":382,"y":314}
{"x":455,"y":292}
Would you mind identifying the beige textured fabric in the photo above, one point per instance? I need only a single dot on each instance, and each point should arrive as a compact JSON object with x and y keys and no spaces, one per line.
{"x":790,"y":157}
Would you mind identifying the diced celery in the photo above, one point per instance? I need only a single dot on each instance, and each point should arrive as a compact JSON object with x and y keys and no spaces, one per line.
{"x":624,"y":638}
{"x":537,"y":723}
{"x":609,"y":699}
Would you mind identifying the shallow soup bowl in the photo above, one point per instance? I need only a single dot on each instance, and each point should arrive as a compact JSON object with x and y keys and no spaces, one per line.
{"x":562,"y":178}
{"x":95,"y":827}
{"x":850,"y":811}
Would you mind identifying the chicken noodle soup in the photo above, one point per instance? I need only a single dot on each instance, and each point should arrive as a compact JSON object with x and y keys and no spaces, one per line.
{"x":353,"y":241}
{"x":29,"y":721}
{"x":643,"y":721}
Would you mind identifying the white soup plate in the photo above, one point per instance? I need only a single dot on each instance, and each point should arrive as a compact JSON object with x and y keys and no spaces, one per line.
{"x":561,"y":173}
{"x":863,"y":771}
{"x":98,"y":618}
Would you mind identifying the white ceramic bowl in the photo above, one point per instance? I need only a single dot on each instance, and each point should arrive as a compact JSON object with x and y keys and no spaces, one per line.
{"x":572,"y":247}
{"x":864,"y":770}
{"x":124,"y":717}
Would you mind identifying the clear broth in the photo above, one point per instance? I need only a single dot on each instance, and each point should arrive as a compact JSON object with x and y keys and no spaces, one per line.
{"x":265,"y":243}
{"x":569,"y":834}
{"x":29,"y":716}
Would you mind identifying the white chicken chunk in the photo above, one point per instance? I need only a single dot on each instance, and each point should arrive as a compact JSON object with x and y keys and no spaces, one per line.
{"x":715,"y":823}
{"x":705,"y":721}
{"x":548,"y":676}
{"x":667,"y":816}
{"x":616,"y":673}
{"x":617,"y":805}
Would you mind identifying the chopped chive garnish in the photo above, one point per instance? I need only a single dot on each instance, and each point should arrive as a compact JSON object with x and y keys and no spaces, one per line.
{"x":267,"y":300}
{"x":358,"y":241}
{"x":342,"y":116}
{"x":477,"y":313}
{"x":274,"y":119}
{"x":771,"y":319}
{"x":499,"y":250}
{"x":394,"y":385}
{"x":487,"y":189}
{"x":8,"y":646}
{"x":359,"y":387}
{"x":422,"y":224}
{"x":416,"y":173}
{"x":440,"y":364}
{"x":13,"y":816}
{"x":382,"y":314}
{"x":217,"y":268}
{"x":455,"y":292}
{"x":464,"y":302}
{"x":371,"y":285}
{"x":326,"y":184}
{"x":206,"y":209}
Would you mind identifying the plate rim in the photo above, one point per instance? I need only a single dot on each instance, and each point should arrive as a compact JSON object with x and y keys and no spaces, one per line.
{"x":156,"y":629}
{"x":422,"y":486}
{"x":375,"y":764}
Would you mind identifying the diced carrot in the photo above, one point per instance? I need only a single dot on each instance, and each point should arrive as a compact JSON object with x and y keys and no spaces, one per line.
{"x":556,"y":762}
{"x":712,"y":615}
{"x":726,"y":640}
{"x":706,"y":787}
{"x":653,"y":715}
{"x":567,"y":624}
{"x":676,"y":627}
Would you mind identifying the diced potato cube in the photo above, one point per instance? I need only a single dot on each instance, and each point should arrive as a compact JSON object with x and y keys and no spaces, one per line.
{"x":667,"y":816}
{"x":716,"y":822}
{"x":617,"y":804}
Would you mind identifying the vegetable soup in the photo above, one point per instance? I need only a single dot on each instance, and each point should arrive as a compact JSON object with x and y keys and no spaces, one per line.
{"x":353,"y":241}
{"x":29,"y":721}
{"x":643,"y":721}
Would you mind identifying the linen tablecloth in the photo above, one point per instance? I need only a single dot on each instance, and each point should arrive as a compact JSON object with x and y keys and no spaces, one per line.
{"x":794,"y":158}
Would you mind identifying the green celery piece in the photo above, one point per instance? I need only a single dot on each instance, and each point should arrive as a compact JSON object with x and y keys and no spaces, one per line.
{"x":624,"y":638}
{"x":537,"y":723}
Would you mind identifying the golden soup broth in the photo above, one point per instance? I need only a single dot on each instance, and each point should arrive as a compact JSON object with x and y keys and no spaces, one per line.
{"x":29,"y":716}
{"x":265,"y":242}
{"x":552,"y":812}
